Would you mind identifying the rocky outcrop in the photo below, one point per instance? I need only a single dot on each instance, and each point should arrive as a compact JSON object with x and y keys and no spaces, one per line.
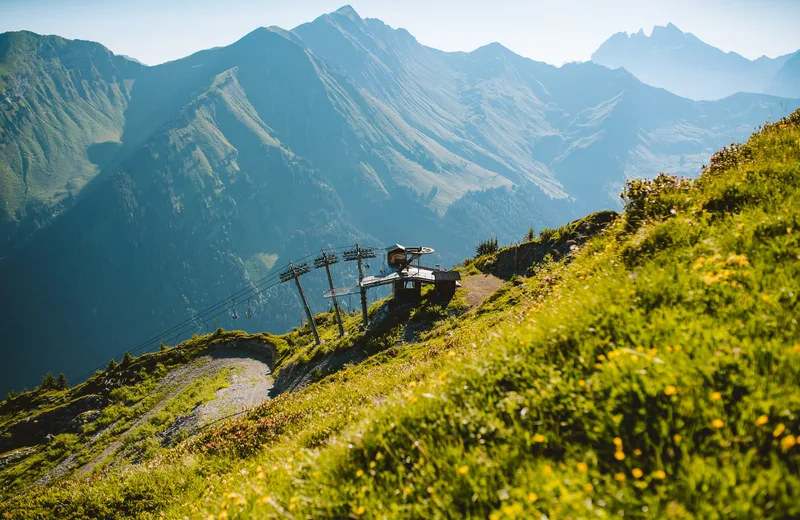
{"x":34,"y":430}
{"x":556,"y":243}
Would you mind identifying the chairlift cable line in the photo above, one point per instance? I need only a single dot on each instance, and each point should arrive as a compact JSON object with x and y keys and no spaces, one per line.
{"x":205,"y":317}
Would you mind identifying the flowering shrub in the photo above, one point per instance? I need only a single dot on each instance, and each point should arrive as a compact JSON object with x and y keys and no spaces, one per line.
{"x":660,"y":197}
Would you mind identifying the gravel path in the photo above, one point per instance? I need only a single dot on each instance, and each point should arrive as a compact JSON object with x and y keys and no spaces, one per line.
{"x":250,"y":382}
{"x":479,"y":287}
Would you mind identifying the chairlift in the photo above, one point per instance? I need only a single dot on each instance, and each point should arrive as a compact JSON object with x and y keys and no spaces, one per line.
{"x":233,"y":311}
{"x":249,"y":313}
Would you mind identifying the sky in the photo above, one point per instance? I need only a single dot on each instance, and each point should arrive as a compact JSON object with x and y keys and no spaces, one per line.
{"x":155,"y":31}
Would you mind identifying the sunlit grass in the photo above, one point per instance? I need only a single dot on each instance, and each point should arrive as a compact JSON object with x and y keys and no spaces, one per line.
{"x":652,"y":374}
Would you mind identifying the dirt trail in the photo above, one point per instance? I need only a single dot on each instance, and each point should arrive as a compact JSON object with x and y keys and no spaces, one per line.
{"x":250,"y":382}
{"x":479,"y":287}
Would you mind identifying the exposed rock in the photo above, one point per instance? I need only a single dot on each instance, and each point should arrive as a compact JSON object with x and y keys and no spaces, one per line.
{"x":518,"y":259}
{"x":34,"y":430}
{"x":14,"y":456}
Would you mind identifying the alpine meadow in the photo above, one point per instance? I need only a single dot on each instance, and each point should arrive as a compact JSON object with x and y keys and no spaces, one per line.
{"x":332,"y":272}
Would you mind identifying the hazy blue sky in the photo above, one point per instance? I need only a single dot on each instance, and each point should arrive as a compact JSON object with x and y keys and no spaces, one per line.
{"x":155,"y":31}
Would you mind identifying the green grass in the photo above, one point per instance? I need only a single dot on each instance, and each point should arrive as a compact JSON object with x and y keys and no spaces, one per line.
{"x":653,"y":373}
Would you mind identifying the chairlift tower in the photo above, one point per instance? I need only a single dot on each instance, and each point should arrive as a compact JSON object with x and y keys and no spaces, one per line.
{"x":326,"y":260}
{"x":360,"y":254}
{"x":295,"y":272}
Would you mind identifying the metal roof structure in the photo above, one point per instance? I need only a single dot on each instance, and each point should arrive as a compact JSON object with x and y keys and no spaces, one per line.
{"x":403,"y":270}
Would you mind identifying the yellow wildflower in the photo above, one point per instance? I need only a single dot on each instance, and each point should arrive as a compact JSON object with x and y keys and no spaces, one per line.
{"x":717,"y":423}
{"x":716,"y":396}
{"x":788,"y":442}
{"x":619,"y":455}
{"x":581,"y":383}
{"x":762,"y":420}
{"x":778,"y":430}
{"x":659,"y":474}
{"x":547,"y":471}
{"x":532,"y":497}
{"x":359,"y":473}
{"x":360,"y":510}
{"x":588,"y":487}
{"x":539,"y":438}
{"x":463,"y":470}
{"x":677,"y":437}
{"x":617,"y":442}
{"x":582,"y":467}
{"x":670,"y":390}
{"x":637,"y":452}
{"x":637,"y":473}
{"x":619,"y":477}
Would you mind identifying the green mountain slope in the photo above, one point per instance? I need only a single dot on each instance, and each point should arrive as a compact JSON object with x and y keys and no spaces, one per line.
{"x":651,"y":371}
{"x":61,"y":113}
{"x":234,"y":160}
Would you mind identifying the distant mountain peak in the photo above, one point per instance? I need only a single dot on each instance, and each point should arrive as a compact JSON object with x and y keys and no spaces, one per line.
{"x":684,"y":64}
{"x":348,"y":11}
{"x":495,"y":48}
{"x":669,"y":30}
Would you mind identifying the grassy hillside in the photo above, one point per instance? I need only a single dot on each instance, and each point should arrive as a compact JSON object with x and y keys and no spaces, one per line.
{"x":61,"y":114}
{"x":652,"y":373}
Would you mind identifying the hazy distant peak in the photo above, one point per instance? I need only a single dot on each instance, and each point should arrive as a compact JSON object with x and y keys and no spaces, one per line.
{"x":264,"y":36}
{"x":349,"y":12}
{"x":686,"y":65}
{"x":289,"y":35}
{"x":130,"y":58}
{"x":493,"y":48}
{"x":667,"y":31}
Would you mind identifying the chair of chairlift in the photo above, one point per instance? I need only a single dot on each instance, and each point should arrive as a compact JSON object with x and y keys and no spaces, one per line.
{"x":249,"y":312}
{"x":233,"y":311}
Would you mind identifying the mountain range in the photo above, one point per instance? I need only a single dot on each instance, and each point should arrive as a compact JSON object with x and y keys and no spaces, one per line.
{"x":685,"y":65}
{"x":135,"y":196}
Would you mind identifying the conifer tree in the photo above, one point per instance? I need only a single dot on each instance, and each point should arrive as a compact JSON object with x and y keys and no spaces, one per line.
{"x":530,"y":235}
{"x":48,"y":382}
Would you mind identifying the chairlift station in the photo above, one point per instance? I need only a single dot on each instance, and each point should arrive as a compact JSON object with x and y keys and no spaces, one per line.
{"x":406,"y":274}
